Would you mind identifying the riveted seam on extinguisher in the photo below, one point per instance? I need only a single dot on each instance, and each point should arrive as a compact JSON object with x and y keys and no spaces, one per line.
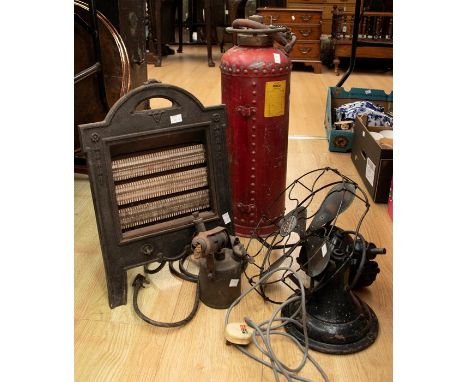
{"x":275,"y":96}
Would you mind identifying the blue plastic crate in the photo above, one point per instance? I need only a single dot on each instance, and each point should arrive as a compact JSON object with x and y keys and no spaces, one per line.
{"x":342,"y":140}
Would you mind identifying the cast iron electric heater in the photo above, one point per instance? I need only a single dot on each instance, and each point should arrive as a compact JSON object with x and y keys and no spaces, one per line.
{"x":149,"y":170}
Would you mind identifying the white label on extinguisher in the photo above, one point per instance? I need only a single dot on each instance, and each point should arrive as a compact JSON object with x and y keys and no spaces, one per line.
{"x":233,"y":283}
{"x":277,"y":58}
{"x":226,"y":218}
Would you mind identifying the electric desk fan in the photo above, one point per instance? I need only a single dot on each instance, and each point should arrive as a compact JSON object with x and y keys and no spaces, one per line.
{"x":335,"y":260}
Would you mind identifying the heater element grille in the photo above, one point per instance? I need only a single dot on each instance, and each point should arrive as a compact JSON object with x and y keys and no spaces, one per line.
{"x":159,"y":210}
{"x":161,"y":185}
{"x":141,"y":165}
{"x":175,"y":184}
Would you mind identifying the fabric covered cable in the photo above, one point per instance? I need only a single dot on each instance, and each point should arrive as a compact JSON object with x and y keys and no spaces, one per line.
{"x":266,"y":329}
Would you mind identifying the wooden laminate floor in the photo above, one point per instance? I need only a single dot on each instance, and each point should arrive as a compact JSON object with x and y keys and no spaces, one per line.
{"x":115,"y":345}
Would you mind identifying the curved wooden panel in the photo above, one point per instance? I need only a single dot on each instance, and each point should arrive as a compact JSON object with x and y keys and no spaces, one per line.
{"x":115,"y":67}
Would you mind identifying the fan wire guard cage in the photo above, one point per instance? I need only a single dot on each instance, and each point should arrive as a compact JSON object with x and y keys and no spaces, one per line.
{"x":303,"y":197}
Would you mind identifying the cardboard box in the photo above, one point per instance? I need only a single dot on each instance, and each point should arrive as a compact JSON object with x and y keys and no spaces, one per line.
{"x":342,"y":140}
{"x":373,"y":161}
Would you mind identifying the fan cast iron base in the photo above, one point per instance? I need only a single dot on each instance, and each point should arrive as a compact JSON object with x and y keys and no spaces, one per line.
{"x":329,"y":335}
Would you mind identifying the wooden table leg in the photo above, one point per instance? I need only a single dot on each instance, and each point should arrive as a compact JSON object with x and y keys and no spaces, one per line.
{"x":336,"y":62}
{"x":317,"y":67}
{"x":153,"y":13}
{"x":158,"y":33}
{"x":208,"y":15}
{"x":180,"y":22}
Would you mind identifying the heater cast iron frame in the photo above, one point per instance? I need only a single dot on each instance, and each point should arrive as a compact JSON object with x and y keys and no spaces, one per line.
{"x":128,"y":130}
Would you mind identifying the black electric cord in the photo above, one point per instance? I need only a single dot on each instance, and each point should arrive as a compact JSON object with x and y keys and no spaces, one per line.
{"x":181,"y":274}
{"x":346,"y":261}
{"x":156,"y":270}
{"x":363,"y":259}
{"x":138,"y":284}
{"x":181,"y":256}
{"x":184,"y":270}
{"x":185,"y":252}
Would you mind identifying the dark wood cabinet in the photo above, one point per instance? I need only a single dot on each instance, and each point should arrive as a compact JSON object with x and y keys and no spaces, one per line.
{"x":326,"y":6}
{"x":307,"y":25}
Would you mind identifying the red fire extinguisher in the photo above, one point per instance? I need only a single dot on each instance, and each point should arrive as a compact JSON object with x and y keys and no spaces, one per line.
{"x":255,"y":83}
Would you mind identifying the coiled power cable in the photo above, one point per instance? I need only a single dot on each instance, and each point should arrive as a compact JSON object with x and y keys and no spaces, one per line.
{"x":266,"y":329}
{"x":140,"y":280}
{"x":182,"y":272}
{"x":155,"y":270}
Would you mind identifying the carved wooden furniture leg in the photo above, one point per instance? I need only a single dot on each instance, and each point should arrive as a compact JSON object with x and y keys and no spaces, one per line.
{"x":208,"y":15}
{"x":151,"y":29}
{"x":221,"y":44}
{"x":336,"y":62}
{"x":152,"y":13}
{"x":317,"y":67}
{"x":158,"y":32}
{"x":154,"y":10}
{"x":180,"y":21}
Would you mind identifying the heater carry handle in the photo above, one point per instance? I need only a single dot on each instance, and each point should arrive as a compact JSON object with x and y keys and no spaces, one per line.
{"x":180,"y":98}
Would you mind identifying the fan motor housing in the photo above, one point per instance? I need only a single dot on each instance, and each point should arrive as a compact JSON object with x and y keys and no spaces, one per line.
{"x":338,"y":321}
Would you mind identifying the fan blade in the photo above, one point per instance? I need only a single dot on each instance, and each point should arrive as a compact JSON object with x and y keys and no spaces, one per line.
{"x":317,"y":252}
{"x":337,"y":200}
{"x":294,"y":221}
